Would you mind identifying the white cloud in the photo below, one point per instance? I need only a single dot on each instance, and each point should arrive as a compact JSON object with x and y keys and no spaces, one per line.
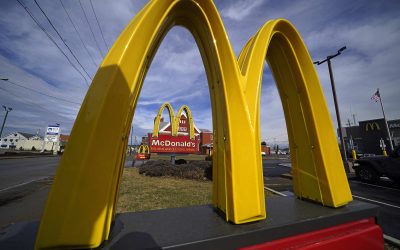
{"x":241,"y":9}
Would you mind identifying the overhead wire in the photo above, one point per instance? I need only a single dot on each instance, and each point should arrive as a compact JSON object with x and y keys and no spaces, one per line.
{"x":90,"y":27}
{"x":66,"y":45}
{"x":98,"y":24}
{"x":36,"y":91}
{"x":21,"y":98}
{"x":52,"y":40}
{"x":79,"y":35}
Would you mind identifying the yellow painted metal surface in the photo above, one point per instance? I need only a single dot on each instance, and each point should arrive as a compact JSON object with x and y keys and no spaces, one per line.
{"x":81,"y":203}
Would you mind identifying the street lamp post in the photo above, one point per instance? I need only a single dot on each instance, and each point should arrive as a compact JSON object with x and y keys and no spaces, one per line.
{"x":328,"y":59}
{"x":7,"y":109}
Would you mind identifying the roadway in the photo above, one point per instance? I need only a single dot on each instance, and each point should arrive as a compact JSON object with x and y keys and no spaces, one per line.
{"x":20,"y":171}
{"x":385,"y":194}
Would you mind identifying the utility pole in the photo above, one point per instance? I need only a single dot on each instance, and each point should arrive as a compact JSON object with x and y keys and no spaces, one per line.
{"x":328,"y":59}
{"x":7,"y":109}
{"x":387,"y":127}
{"x":354,"y":119}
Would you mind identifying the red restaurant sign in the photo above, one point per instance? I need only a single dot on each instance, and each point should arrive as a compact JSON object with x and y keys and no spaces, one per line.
{"x":181,"y":144}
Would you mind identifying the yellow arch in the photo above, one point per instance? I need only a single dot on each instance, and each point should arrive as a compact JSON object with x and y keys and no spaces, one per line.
{"x":317,"y":167}
{"x":158,"y":118}
{"x":178,"y":118}
{"x":81,"y":203}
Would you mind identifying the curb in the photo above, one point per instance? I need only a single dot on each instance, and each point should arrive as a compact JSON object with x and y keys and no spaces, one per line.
{"x":25,"y":156}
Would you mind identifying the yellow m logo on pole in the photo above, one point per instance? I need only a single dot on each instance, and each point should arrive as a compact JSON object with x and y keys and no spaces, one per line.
{"x":143,"y":149}
{"x":81,"y":204}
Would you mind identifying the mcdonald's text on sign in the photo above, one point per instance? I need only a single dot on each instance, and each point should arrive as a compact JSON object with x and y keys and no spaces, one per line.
{"x":166,"y":143}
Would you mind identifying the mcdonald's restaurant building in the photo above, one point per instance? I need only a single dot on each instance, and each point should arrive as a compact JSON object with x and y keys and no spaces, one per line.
{"x":367,"y":136}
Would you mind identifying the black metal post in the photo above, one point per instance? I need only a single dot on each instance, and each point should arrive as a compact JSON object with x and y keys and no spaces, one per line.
{"x":7,"y":109}
{"x":337,"y":110}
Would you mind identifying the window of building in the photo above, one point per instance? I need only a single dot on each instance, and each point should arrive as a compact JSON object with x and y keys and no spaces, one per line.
{"x":11,"y":140}
{"x":4,"y":139}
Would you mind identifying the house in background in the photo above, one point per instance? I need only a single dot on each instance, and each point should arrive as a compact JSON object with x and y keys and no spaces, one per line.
{"x":26,"y":141}
{"x":11,"y":141}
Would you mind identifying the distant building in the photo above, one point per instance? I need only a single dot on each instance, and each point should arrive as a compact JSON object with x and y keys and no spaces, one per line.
{"x":10,"y":141}
{"x":26,"y":141}
{"x":366,"y":137}
{"x":206,"y":141}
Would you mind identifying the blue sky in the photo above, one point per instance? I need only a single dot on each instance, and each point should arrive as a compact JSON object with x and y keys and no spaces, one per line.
{"x":369,"y":29}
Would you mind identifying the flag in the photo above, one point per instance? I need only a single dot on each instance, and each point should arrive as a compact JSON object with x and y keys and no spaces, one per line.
{"x":376,"y":97}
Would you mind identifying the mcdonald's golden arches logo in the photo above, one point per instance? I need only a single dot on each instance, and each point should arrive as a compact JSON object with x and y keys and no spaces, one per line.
{"x":372,"y":126}
{"x":174,"y":120}
{"x":143,"y":149}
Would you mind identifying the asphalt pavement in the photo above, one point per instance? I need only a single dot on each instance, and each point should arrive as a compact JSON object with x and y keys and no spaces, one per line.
{"x":385,"y":194}
{"x":19,"y":171}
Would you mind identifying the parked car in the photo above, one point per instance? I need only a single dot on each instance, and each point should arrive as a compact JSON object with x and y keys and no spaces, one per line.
{"x":370,"y":169}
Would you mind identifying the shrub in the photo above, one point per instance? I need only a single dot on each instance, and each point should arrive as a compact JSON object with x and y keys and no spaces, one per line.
{"x":195,"y":170}
{"x":33,"y":148}
{"x":180,"y":161}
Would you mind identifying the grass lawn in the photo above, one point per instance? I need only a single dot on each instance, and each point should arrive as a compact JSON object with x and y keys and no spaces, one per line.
{"x":139,"y":193}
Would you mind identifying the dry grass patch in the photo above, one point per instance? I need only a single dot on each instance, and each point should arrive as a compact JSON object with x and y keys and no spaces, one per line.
{"x":139,"y":193}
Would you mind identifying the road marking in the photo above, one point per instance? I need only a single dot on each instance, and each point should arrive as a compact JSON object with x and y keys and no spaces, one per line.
{"x":392,"y":240}
{"x":21,"y":184}
{"x":274,"y":191}
{"x":359,"y":182}
{"x":379,"y":202}
{"x":288,"y":165}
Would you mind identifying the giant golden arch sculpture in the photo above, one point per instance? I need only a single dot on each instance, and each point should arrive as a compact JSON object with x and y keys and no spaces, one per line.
{"x":81,"y":203}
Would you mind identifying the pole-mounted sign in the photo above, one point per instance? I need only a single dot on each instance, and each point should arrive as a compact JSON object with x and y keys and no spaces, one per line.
{"x":181,"y":140}
{"x":52,"y":133}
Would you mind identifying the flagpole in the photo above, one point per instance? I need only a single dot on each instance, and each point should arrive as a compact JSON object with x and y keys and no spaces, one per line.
{"x":384,"y":117}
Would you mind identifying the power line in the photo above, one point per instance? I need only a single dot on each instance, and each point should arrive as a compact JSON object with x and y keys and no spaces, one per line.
{"x":72,"y":53}
{"x":52,"y":40}
{"x":98,"y":24}
{"x":19,"y":98}
{"x":60,"y":99}
{"x":90,"y":27}
{"x":79,"y":35}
